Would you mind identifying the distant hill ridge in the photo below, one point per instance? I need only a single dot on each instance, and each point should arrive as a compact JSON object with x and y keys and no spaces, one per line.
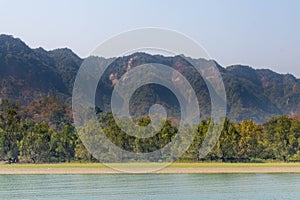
{"x":28,"y":74}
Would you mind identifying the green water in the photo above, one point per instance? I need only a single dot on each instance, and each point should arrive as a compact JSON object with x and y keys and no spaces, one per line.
{"x":149,"y":186}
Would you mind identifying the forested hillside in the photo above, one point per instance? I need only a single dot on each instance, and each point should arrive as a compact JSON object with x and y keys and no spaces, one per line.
{"x":27,"y":75}
{"x":36,"y":123}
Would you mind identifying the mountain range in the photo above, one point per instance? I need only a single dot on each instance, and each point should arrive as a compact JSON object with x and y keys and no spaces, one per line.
{"x":28,"y":74}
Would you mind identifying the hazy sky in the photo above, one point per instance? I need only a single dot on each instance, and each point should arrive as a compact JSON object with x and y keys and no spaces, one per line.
{"x":259,"y":33}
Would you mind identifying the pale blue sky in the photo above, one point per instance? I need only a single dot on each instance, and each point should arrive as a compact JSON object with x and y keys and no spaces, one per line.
{"x":259,"y":33}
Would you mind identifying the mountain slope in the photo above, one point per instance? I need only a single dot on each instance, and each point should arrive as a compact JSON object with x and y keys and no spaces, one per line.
{"x":28,"y":74}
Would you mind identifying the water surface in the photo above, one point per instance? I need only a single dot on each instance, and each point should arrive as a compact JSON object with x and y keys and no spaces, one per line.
{"x":150,"y":186}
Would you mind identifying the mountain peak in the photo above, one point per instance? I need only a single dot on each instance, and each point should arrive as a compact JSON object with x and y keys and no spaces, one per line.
{"x":238,"y":67}
{"x":63,"y":52}
{"x":7,"y":37}
{"x":10,"y":44}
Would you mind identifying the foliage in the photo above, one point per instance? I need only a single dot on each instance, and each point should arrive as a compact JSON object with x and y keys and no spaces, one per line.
{"x":38,"y":142}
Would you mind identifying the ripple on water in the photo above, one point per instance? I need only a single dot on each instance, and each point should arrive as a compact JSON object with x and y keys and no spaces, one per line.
{"x":151,"y":186}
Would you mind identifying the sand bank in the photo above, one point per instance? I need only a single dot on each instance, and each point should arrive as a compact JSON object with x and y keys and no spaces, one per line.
{"x":189,"y":168}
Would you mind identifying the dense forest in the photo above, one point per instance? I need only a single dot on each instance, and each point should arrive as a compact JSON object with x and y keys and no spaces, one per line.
{"x":36,"y":140}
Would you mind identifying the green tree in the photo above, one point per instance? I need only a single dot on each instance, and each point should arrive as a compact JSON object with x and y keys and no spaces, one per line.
{"x":226,"y":148}
{"x":9,"y":136}
{"x":250,"y":142}
{"x":35,"y":145}
{"x":81,"y":153}
{"x":63,"y":144}
{"x":294,"y":138}
{"x":279,"y":138}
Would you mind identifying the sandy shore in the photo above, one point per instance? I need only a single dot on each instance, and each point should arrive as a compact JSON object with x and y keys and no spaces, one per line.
{"x":232,"y":170}
{"x":188,"y":170}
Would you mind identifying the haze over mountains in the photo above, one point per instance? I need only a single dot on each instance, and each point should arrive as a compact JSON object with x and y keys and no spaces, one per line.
{"x":28,"y":74}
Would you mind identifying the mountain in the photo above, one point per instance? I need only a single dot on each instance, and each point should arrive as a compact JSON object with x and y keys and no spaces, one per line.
{"x":29,"y":74}
{"x":261,"y":93}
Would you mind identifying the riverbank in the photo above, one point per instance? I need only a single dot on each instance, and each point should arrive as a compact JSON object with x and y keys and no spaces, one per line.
{"x":197,"y":168}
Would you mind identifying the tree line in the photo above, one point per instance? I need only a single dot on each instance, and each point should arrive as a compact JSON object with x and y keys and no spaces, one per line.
{"x":39,"y":142}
